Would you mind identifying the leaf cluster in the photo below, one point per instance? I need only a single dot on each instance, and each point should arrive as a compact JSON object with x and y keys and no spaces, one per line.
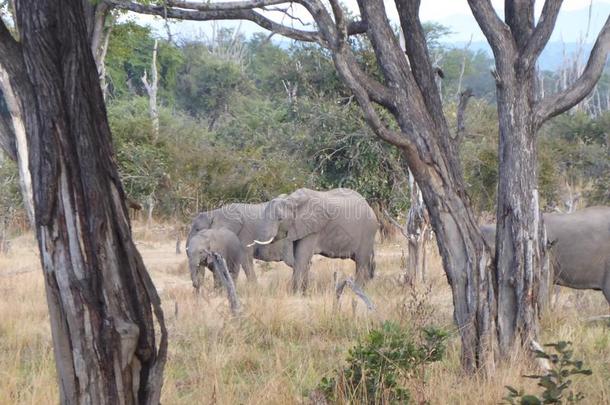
{"x":379,"y":366}
{"x":557,"y":382}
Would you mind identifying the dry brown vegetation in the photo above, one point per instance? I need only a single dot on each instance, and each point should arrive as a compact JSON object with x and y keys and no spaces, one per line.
{"x":281,"y":347}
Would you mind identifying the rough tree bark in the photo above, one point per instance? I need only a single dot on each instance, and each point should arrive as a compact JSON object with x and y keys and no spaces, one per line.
{"x":520,"y":244}
{"x":101,"y":300}
{"x":98,"y":34}
{"x":409,"y":93}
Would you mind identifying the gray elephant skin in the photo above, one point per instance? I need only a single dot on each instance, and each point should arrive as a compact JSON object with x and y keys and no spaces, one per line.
{"x":580,"y":251}
{"x":203,"y":244}
{"x":337,"y":224}
{"x":244,"y":220}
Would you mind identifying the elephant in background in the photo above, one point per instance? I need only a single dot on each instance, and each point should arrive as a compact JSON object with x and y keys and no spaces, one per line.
{"x":202,"y":245}
{"x":580,"y":255}
{"x":337,"y":224}
{"x":244,"y":220}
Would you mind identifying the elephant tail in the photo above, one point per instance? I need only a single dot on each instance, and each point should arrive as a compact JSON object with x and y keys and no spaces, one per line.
{"x":372,"y":264}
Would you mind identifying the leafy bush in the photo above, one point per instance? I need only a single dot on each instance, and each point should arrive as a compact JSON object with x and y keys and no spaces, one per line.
{"x":378,"y":366}
{"x":556,"y":383}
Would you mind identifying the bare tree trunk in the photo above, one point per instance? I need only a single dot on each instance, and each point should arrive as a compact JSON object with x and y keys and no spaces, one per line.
{"x":519,"y":243}
{"x":151,"y":89}
{"x":19,"y":135}
{"x":418,"y":228}
{"x":150,"y":206}
{"x":102,"y":302}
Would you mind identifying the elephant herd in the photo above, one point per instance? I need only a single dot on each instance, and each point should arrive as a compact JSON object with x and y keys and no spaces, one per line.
{"x":339,"y":223}
{"x":291,"y":228}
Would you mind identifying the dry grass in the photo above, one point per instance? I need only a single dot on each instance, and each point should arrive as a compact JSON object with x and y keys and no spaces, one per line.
{"x":283,"y":344}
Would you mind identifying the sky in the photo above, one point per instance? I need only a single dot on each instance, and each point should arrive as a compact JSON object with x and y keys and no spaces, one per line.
{"x":453,"y":13}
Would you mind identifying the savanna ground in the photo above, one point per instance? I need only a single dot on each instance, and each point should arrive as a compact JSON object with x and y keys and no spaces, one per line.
{"x":277,"y":352}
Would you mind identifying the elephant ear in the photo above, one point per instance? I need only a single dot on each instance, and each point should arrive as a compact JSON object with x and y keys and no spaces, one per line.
{"x":310,"y":214}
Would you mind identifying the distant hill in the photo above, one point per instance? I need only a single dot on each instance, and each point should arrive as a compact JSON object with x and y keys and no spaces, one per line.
{"x":571,"y":26}
{"x":551,"y":58}
{"x":570,"y":30}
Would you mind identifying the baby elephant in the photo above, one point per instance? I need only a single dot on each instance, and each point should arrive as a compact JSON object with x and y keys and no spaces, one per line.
{"x":201,"y":247}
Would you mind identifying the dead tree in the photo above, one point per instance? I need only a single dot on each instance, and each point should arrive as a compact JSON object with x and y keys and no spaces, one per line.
{"x":517,"y":42}
{"x":102,"y":303}
{"x":151,"y":90}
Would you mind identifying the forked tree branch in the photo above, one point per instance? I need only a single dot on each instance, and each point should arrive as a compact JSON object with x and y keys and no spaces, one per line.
{"x":557,"y":103}
{"x":416,"y":49}
{"x":519,"y":16}
{"x":496,"y":31}
{"x":541,"y":34}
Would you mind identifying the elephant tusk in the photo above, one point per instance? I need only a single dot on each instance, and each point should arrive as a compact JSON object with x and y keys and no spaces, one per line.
{"x":258,"y":242}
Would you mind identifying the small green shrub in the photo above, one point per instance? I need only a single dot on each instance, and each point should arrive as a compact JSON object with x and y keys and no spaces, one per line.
{"x":556,"y":383}
{"x":379,"y":366}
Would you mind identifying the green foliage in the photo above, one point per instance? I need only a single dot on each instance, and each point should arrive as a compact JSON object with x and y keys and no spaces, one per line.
{"x":10,"y":197}
{"x":129,"y":55}
{"x":379,"y":365}
{"x":557,"y":382}
{"x":207,"y":83}
{"x":344,"y":152}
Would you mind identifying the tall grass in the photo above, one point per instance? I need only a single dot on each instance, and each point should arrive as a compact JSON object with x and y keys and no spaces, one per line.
{"x":277,"y":352}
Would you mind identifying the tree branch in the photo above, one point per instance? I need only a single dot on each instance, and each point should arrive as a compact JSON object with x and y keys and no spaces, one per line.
{"x":7,"y":138}
{"x":396,"y":223}
{"x":225,"y":5}
{"x":356,"y":289}
{"x":241,"y":10}
{"x":416,"y":49}
{"x":10,"y":51}
{"x":557,"y":103}
{"x":461,"y":115}
{"x":542,"y":32}
{"x":496,"y":31}
{"x":519,"y":16}
{"x":218,"y":14}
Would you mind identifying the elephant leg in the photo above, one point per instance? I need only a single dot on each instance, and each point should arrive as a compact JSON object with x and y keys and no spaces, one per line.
{"x":217,"y":280}
{"x":606,"y":289}
{"x":248,"y":265}
{"x":365,"y":267}
{"x":234,"y":271}
{"x":303,"y":251}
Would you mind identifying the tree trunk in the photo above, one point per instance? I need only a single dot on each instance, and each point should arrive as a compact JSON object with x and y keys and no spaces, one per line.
{"x":519,"y":237}
{"x":102,"y":302}
{"x":151,"y":89}
{"x":418,"y":229}
{"x":18,"y":133}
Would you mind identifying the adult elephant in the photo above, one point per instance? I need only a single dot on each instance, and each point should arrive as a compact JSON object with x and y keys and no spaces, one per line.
{"x":244,"y":220}
{"x":580,"y":252}
{"x":338,"y":224}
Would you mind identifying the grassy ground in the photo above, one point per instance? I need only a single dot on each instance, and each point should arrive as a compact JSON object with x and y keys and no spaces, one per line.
{"x":284,"y":344}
